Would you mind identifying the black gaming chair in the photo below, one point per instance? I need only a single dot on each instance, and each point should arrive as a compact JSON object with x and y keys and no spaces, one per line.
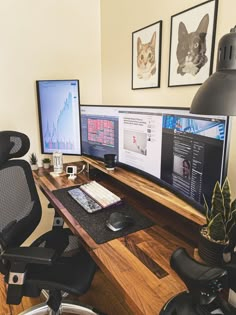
{"x":45,"y":265}
{"x":204,"y":285}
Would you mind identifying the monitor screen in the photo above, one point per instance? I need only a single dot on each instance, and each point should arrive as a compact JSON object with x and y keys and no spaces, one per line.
{"x":59,"y":116}
{"x":194,"y":153}
{"x":183,"y":152}
{"x":99,"y":130}
{"x":140,"y":130}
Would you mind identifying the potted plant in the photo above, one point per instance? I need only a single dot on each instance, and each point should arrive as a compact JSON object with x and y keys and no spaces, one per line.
{"x":46,"y":162}
{"x":33,"y":161}
{"x":215,"y":235}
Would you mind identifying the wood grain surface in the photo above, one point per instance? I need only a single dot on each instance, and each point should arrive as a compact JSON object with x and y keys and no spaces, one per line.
{"x":137,"y":264}
{"x":151,"y":190}
{"x":102,"y":295}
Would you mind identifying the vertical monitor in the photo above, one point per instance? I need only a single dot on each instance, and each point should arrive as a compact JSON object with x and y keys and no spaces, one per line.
{"x":59,"y":116}
{"x":99,"y":130}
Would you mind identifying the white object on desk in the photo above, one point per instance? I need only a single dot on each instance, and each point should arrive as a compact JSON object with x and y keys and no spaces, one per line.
{"x":100,"y":194}
{"x":71,"y":170}
{"x":57,"y":162}
{"x":72,"y":177}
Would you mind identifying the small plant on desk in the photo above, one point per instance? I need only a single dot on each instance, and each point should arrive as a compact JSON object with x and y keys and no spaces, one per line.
{"x":46,"y":162}
{"x":220,"y":226}
{"x":33,"y":161}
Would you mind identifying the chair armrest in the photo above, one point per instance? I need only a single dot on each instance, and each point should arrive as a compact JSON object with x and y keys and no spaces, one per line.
{"x":30,"y":255}
{"x":19,"y":258}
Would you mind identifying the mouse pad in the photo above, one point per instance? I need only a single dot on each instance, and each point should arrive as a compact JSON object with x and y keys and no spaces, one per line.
{"x":95,"y":223}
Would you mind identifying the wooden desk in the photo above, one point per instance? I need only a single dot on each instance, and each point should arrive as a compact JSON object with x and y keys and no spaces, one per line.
{"x":138,"y":264}
{"x":152,"y":190}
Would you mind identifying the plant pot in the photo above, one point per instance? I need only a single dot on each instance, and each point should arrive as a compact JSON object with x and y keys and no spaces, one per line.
{"x":34,"y":167}
{"x":46,"y":165}
{"x":211,"y":252}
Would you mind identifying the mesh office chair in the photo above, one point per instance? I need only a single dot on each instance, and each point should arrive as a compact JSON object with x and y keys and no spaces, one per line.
{"x":204,"y":285}
{"x":29,"y":270}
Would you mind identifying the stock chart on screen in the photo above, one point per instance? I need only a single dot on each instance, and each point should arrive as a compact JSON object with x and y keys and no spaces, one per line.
{"x":59,"y":116}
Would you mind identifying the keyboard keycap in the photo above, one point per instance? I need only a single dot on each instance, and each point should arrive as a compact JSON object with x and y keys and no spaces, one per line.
{"x":100,"y":194}
{"x":84,"y":200}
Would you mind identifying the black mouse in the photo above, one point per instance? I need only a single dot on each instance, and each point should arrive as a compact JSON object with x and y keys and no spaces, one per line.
{"x":118,"y":221}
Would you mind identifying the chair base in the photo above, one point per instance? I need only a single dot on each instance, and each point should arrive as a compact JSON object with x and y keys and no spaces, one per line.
{"x":182,"y":304}
{"x":67,"y":307}
{"x":183,"y":301}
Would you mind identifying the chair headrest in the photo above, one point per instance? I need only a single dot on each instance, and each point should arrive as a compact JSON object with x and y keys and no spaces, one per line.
{"x":13,"y":144}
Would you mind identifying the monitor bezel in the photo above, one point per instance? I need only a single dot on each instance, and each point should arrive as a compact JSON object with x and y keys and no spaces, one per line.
{"x":40,"y":115}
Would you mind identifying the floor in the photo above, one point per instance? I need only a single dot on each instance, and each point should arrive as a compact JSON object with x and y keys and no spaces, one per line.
{"x":102,"y":295}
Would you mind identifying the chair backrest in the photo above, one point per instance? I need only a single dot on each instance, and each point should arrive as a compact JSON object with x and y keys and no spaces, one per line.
{"x":20,"y":208}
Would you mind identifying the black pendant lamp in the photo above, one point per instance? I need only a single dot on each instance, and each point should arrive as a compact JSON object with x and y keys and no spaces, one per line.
{"x":217,"y":95}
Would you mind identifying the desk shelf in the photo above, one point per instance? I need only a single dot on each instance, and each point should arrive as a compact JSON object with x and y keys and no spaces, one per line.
{"x":152,"y":190}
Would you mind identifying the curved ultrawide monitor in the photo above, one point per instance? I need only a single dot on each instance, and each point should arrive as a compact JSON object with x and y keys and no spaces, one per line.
{"x":59,"y":116}
{"x":184,"y":152}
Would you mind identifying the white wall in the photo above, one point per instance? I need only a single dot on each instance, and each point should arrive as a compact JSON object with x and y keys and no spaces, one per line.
{"x":119,"y":19}
{"x":46,"y":39}
{"x":53,"y":39}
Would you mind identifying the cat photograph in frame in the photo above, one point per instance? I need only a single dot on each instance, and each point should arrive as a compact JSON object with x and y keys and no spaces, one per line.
{"x":146,"y":56}
{"x":192,"y":40}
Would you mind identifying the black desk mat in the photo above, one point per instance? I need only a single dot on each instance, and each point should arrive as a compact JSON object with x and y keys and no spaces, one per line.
{"x":95,"y":223}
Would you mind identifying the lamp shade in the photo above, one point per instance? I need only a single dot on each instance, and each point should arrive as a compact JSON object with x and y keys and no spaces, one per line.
{"x":217,"y":95}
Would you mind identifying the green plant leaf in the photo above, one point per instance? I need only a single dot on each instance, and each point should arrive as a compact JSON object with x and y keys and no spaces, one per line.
{"x":221,"y":218}
{"x":208,"y":214}
{"x":231,"y":223}
{"x":46,"y":160}
{"x":217,"y":202}
{"x":227,"y":199}
{"x":33,"y":158}
{"x":216,"y":228}
{"x":232,"y":208}
{"x":233,"y":205}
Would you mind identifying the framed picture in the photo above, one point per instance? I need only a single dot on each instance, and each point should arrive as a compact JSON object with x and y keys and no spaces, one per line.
{"x":146,"y":56}
{"x":192,"y":40}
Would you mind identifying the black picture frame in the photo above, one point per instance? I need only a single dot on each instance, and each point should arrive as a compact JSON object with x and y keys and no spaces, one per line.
{"x":146,"y":56}
{"x":192,"y":41}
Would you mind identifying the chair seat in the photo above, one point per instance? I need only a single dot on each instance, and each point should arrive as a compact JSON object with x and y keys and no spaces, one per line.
{"x":70,"y":274}
{"x":63,"y":265}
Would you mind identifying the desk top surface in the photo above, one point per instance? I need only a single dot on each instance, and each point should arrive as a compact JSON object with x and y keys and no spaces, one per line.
{"x":138,"y":264}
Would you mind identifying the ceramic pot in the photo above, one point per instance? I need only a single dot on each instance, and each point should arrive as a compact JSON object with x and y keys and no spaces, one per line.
{"x":46,"y":165}
{"x":34,"y":167}
{"x":210,"y":252}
